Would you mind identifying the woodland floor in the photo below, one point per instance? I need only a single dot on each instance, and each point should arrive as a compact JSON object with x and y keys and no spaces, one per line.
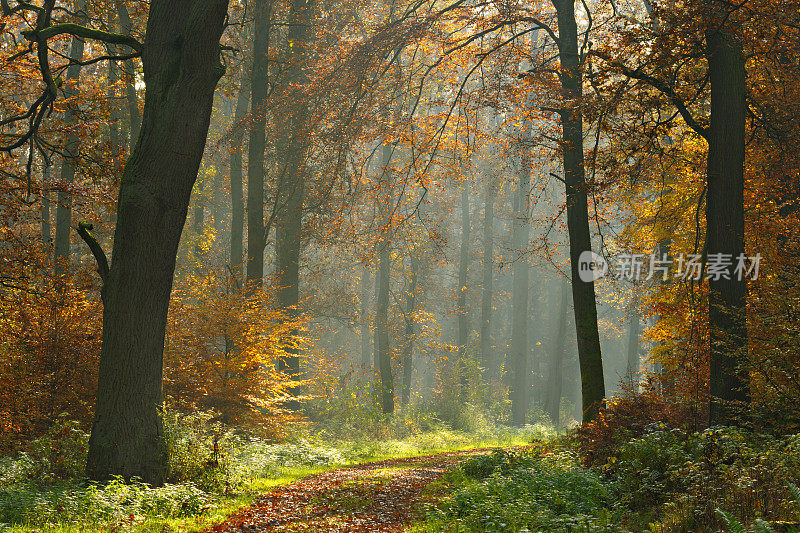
{"x":384,"y":496}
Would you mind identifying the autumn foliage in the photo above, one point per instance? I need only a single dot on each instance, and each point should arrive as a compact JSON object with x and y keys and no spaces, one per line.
{"x":222,"y":350}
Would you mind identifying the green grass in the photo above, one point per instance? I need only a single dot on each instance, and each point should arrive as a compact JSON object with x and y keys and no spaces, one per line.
{"x":253,"y":467}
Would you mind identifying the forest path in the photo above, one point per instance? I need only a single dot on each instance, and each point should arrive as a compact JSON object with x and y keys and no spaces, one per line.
{"x":379,"y":497}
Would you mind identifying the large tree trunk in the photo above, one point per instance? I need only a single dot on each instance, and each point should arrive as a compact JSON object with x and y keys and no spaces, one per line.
{"x":69,"y":164}
{"x":520,"y":372}
{"x":383,"y":353}
{"x":591,"y":361}
{"x":181,"y":68}
{"x":237,"y":177}
{"x":556,"y":368}
{"x":488,"y":278}
{"x":257,"y":146}
{"x":725,"y":221}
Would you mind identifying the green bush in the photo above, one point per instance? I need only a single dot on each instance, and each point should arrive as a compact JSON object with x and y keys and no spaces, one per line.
{"x":199,"y":449}
{"x":680,"y":478}
{"x":526,"y":491}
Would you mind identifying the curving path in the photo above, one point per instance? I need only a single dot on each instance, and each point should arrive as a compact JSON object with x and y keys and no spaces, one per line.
{"x":370,"y":497}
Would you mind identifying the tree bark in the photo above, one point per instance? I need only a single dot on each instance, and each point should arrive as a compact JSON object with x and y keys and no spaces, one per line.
{"x":383,"y":354}
{"x":366,"y":351}
{"x":292,"y":155}
{"x":461,"y":292}
{"x":408,"y":342}
{"x":257,"y":146}
{"x":217,"y":204}
{"x":61,"y":250}
{"x":634,"y":336}
{"x":556,"y":369}
{"x":725,"y":220}
{"x":181,"y":60}
{"x":520,"y":372}
{"x":583,"y":295}
{"x":129,"y":76}
{"x":198,"y":219}
{"x":114,"y":112}
{"x":47,"y":231}
{"x":237,"y":177}
{"x":488,"y":278}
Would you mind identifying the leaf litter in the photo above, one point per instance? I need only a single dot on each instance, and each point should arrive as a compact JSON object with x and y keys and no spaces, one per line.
{"x":370,"y":497}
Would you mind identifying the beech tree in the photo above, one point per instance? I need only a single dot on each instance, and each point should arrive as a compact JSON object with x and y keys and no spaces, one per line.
{"x":181,"y":61}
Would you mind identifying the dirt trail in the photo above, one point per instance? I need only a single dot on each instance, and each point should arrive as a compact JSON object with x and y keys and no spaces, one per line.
{"x":370,"y":497}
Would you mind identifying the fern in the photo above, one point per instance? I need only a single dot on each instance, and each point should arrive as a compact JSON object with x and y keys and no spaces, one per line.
{"x":734,"y":526}
{"x":796,"y":495}
{"x":762,"y":526}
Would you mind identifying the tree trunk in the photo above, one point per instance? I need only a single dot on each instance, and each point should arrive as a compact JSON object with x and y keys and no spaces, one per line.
{"x":257,"y":146}
{"x":725,"y":221}
{"x":488,"y":278}
{"x":292,"y":154}
{"x":129,"y":75}
{"x":237,"y":177}
{"x":47,"y":231}
{"x":217,"y":204}
{"x":182,"y":66}
{"x":383,"y":355}
{"x":366,"y":351}
{"x":114,"y":112}
{"x":556,"y":370}
{"x":71,"y":146}
{"x":591,"y":361}
{"x":408,"y":342}
{"x":634,"y":335}
{"x":520,"y":373}
{"x":198,"y":220}
{"x":461,"y":292}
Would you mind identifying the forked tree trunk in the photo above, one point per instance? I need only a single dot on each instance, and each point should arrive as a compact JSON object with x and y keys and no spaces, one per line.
{"x":725,"y":220}
{"x":591,"y":361}
{"x":181,"y":60}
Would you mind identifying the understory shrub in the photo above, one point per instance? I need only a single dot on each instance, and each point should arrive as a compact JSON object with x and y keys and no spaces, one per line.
{"x":537,"y":490}
{"x":624,"y":418}
{"x":680,"y":478}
